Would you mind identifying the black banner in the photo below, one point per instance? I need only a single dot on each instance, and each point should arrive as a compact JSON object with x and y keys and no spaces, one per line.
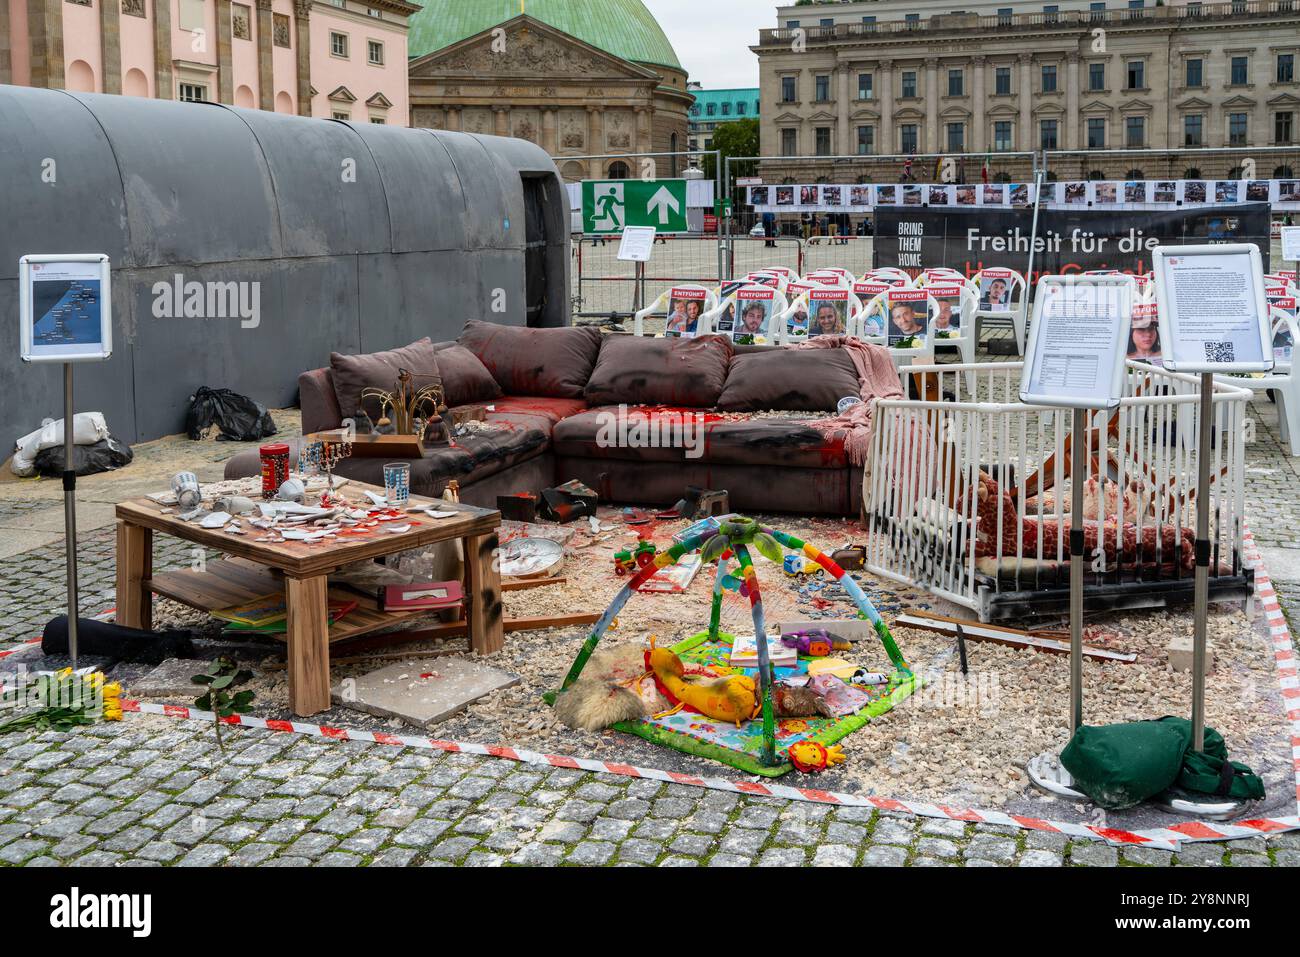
{"x":1068,"y":241}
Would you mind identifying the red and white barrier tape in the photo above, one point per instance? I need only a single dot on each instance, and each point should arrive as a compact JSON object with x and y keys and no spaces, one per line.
{"x":13,"y":651}
{"x":1162,"y":838}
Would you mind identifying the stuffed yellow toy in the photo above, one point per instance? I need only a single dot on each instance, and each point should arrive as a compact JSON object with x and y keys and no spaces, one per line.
{"x":732,"y":698}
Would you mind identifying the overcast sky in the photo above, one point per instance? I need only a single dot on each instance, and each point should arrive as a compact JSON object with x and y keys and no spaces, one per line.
{"x":712,"y":37}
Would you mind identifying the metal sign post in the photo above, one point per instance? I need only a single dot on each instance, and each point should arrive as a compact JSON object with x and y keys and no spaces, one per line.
{"x":1214,"y":319}
{"x":65,"y":316}
{"x":1075,"y":360}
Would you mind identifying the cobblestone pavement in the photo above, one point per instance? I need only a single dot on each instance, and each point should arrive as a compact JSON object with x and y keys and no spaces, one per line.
{"x":152,"y":790}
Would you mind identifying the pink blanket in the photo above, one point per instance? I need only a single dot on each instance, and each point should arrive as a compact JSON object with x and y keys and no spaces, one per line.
{"x":879,"y":380}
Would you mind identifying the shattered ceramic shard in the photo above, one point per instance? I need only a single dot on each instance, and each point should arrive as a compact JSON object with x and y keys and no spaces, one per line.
{"x":216,"y":520}
{"x":378,"y":500}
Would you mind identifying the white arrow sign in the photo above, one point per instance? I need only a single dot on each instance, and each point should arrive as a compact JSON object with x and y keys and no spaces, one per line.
{"x":662,"y":201}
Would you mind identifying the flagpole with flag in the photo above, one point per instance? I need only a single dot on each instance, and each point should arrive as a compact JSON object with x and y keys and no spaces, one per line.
{"x":984,"y":171}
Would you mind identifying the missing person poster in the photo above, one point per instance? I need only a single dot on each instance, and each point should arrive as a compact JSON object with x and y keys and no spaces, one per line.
{"x":1075,"y":356}
{"x":909,"y":314}
{"x":753,"y":313}
{"x":1068,"y":241}
{"x":947,"y":310}
{"x":64,"y":308}
{"x":685,"y":306}
{"x":1213,"y":314}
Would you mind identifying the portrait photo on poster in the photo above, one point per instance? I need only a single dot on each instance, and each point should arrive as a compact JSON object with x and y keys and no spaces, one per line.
{"x":65,"y":308}
{"x":685,"y":306}
{"x":753,"y":308}
{"x":908,"y":313}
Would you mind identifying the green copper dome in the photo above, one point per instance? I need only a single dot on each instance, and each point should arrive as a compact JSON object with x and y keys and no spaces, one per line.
{"x":624,"y":28}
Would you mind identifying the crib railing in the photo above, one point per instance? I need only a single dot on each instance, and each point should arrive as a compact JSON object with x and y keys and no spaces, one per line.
{"x":967,"y":491}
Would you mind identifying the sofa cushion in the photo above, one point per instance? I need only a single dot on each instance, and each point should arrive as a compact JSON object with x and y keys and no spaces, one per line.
{"x":541,"y":362}
{"x":675,"y":372}
{"x":465,"y":380}
{"x":378,"y":370}
{"x":799,"y":380}
{"x":665,"y":434}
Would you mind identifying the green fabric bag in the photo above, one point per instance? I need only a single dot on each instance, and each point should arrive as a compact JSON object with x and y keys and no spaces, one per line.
{"x":1120,"y":765}
{"x":1210,"y":771}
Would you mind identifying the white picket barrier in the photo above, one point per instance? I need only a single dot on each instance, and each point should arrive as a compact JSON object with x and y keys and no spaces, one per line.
{"x":952,"y":492}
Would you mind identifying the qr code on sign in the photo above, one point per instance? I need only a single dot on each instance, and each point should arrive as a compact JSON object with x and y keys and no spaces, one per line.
{"x":1219,"y":352}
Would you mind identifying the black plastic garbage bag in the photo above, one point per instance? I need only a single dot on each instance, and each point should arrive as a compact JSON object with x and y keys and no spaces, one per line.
{"x":104,"y":456}
{"x":239,"y":418}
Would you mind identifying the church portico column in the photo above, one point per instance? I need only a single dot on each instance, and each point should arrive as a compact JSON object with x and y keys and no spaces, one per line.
{"x":302,"y":24}
{"x":595,"y":139}
{"x":502,"y":115}
{"x":549,"y":142}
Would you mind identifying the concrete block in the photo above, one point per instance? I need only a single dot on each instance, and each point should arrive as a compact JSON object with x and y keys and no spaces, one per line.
{"x":422,"y":693}
{"x":1180,"y":654}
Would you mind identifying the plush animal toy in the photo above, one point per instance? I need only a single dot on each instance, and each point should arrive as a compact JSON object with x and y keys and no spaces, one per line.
{"x":731,"y":698}
{"x":602,"y":696}
{"x":812,"y":756}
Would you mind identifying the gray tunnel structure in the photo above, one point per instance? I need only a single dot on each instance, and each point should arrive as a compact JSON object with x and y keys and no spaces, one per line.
{"x":359,"y":237}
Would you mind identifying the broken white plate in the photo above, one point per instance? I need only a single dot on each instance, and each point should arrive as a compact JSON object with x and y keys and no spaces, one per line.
{"x":397,"y":529}
{"x":379,"y":500}
{"x":216,"y":520}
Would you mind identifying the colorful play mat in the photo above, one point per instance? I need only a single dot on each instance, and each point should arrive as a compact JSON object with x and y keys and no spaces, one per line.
{"x":760,"y":745}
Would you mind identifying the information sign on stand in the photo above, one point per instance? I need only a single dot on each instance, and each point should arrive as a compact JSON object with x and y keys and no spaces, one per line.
{"x":65,"y":315}
{"x":637,"y":244}
{"x":1075,"y":360}
{"x":1214,"y":319}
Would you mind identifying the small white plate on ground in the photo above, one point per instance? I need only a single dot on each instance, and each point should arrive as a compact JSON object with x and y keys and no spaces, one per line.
{"x":529,"y":557}
{"x":1048,"y":774}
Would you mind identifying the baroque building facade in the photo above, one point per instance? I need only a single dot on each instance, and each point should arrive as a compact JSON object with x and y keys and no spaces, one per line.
{"x":528,"y":79}
{"x":844,"y":79}
{"x":326,"y":58}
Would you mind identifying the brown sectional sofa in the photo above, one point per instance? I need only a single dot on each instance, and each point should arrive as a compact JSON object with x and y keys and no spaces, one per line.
{"x":766,"y":463}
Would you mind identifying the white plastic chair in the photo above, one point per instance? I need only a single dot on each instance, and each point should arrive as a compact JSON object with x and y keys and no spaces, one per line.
{"x":707,"y":297}
{"x":748,"y":291}
{"x":805,"y":299}
{"x":777,"y":279}
{"x":1018,"y":300}
{"x":829,"y":277}
{"x":922,"y":354}
{"x":891,"y":275}
{"x":1282,"y":382}
{"x":868,"y":323}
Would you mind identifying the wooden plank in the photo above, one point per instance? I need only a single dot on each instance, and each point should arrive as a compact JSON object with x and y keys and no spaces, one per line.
{"x":551,"y":621}
{"x":1011,"y":637}
{"x":520,"y":584}
{"x":309,"y":657}
{"x":134,"y":569}
{"x":483,"y":593}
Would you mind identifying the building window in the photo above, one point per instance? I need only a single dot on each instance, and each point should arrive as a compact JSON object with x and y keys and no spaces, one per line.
{"x":1195,"y":73}
{"x":864,"y":86}
{"x":825,"y":22}
{"x":1237,"y":129}
{"x":240,"y":18}
{"x":1282,"y":128}
{"x":1049,"y":77}
{"x":1097,"y":11}
{"x":339,"y":115}
{"x":1051,"y":12}
{"x":956,"y":138}
{"x":822,"y":140}
{"x":1286,"y":68}
{"x":955,"y":82}
{"x":789,"y":89}
{"x":1135,"y":132}
{"x":1002,"y":135}
{"x":1096,"y":76}
{"x":711,"y":110}
{"x":792,"y":24}
{"x":375,"y":52}
{"x":372,"y":12}
{"x":740,"y":111}
{"x":869,"y":22}
{"x":191,"y":92}
{"x":909,"y":83}
{"x":789,"y":142}
{"x":1004,"y":16}
{"x":280,"y":30}
{"x":339,"y":44}
{"x":1194,"y":130}
{"x":907,"y":138}
{"x":823,"y":88}
{"x":1002,"y":81}
{"x":1240,"y":75}
{"x":1137,"y":75}
{"x":1096,"y":133}
{"x":726,"y":109}
{"x":866,"y":140}
{"x":1047,"y":134}
{"x":913,"y":21}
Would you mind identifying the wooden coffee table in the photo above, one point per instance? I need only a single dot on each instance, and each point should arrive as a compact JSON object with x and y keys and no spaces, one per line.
{"x":253,"y":569}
